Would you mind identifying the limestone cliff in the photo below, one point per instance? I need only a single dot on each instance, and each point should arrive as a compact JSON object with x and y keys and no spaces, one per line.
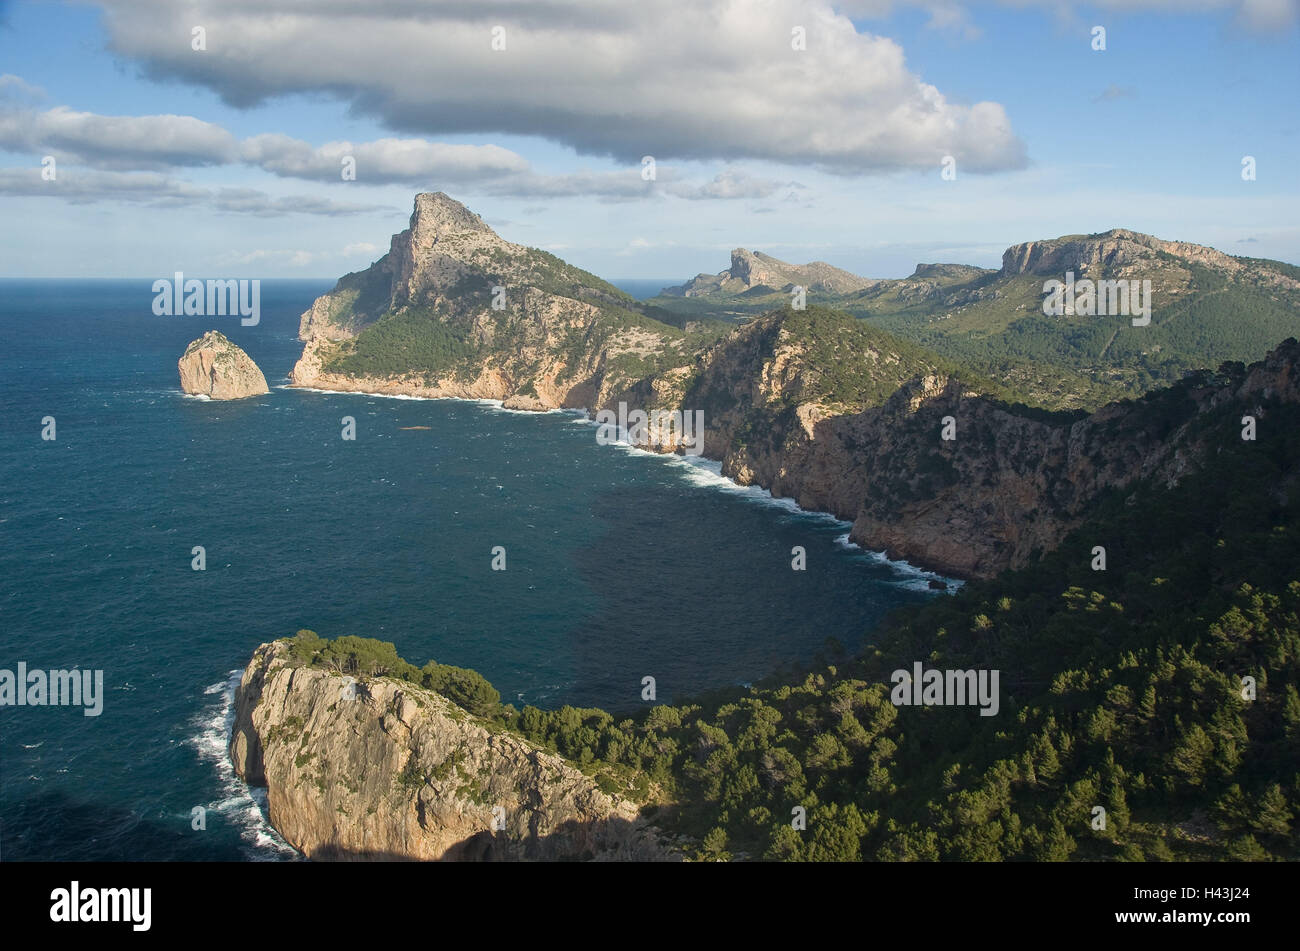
{"x":1121,"y":253}
{"x":212,"y":366}
{"x":383,"y":769}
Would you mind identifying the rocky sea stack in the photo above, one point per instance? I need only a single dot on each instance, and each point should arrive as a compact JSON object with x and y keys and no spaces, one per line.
{"x":379,"y":768}
{"x":212,"y":366}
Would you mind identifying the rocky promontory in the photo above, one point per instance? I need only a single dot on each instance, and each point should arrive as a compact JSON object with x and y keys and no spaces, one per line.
{"x":214,"y":367}
{"x":379,"y":768}
{"x":454,"y":310}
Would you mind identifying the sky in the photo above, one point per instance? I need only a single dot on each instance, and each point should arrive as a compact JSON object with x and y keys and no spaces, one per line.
{"x":143,"y":137}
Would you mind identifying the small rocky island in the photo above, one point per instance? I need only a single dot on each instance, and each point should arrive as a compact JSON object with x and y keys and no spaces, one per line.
{"x":212,"y":366}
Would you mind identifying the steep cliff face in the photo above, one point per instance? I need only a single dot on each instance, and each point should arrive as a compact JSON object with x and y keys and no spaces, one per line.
{"x":383,"y":769}
{"x":1119,"y":249}
{"x":1011,"y":482}
{"x":455,"y":310}
{"x":212,"y":366}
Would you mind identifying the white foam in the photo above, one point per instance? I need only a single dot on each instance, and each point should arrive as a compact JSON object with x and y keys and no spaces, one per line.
{"x":912,"y":577}
{"x":498,"y":407}
{"x":707,"y":473}
{"x":245,"y":806}
{"x":382,"y":396}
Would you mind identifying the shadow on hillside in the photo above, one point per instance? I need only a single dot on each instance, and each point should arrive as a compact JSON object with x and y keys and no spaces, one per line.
{"x":607,"y":840}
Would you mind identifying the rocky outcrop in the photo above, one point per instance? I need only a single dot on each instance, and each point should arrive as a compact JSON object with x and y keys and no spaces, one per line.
{"x":212,"y":366}
{"x":940,"y":285}
{"x":753,"y":269}
{"x":383,"y":769}
{"x":1120,"y":253}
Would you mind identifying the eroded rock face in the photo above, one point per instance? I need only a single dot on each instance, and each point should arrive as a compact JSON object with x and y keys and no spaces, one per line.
{"x":1123,"y":254}
{"x":383,"y":769}
{"x":212,"y":366}
{"x":1010,"y":485}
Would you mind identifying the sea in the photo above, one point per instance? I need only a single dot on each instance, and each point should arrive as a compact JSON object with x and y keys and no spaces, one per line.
{"x":619,"y":564}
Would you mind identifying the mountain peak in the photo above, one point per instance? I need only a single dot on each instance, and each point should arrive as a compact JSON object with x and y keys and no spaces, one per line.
{"x":437,"y":214}
{"x":756,"y":268}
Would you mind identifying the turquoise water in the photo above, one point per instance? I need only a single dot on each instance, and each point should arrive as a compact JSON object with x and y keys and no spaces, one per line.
{"x":620,"y":564}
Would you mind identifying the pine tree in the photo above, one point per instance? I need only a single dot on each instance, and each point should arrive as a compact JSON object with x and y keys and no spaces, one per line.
{"x":1273,"y":817}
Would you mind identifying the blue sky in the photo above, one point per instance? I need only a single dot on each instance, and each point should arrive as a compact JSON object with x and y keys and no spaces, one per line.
{"x":828,"y":153}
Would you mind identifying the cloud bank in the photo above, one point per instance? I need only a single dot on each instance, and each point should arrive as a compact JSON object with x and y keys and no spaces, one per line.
{"x":700,"y":80}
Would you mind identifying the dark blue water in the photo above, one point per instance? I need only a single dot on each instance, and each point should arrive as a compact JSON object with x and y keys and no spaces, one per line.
{"x":619,"y":564}
{"x":646,"y":288}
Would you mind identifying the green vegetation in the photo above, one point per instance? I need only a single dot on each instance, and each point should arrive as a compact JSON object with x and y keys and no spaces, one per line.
{"x":410,"y":341}
{"x":366,"y":657}
{"x":993,"y":325}
{"x":1119,"y":689}
{"x":1086,"y":361}
{"x":449,"y":337}
{"x":839,"y":361}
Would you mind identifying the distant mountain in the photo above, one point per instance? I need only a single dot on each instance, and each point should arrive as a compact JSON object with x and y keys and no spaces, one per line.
{"x":1206,"y":307}
{"x":753,"y":273}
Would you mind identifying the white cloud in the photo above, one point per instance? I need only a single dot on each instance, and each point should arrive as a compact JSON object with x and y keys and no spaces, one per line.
{"x":161,"y":143}
{"x":680,"y":79}
{"x":85,"y":186}
{"x":731,"y":184}
{"x":80,"y":187}
{"x":120,"y":142}
{"x":293,"y":257}
{"x":382,"y":161}
{"x":1260,"y":15}
{"x":15,"y":87}
{"x":250,"y":201}
{"x":1113,"y":92}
